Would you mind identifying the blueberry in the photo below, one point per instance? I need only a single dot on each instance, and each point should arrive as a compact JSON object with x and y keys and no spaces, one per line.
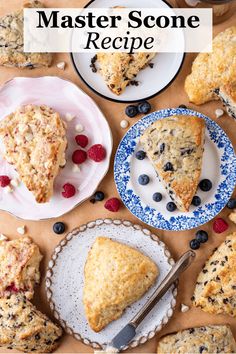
{"x":144,"y":107}
{"x":157,"y":197}
{"x":143,"y":180}
{"x":182,"y":106}
{"x":202,"y":236}
{"x":168,"y":167}
{"x":131,"y":111}
{"x":171,"y":206}
{"x":162,"y":148}
{"x":99,"y":196}
{"x":196,"y":200}
{"x":231,"y":203}
{"x":194,"y":244}
{"x":59,"y":228}
{"x":205,"y":185}
{"x":140,"y":155}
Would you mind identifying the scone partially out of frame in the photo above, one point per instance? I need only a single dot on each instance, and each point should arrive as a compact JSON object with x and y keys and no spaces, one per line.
{"x":19,"y":267}
{"x":215,"y":290}
{"x":12,"y":42}
{"x":227,"y":94}
{"x":119,"y":69}
{"x":24,"y":328}
{"x":213,"y":70}
{"x":175,"y":145}
{"x":116,"y":275}
{"x":35,"y":142}
{"x":205,"y":339}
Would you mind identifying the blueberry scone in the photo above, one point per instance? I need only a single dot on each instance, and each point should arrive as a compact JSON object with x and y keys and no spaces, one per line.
{"x":215,"y":290}
{"x":116,"y":275}
{"x":205,"y":339}
{"x":12,"y":42}
{"x":119,"y":69}
{"x":227,"y":94}
{"x":19,"y":267}
{"x":24,"y":328}
{"x":213,"y":70}
{"x":35,"y":141}
{"x":175,"y":147}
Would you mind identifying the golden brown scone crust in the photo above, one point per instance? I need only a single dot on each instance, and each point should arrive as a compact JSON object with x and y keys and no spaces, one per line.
{"x":212,"y":70}
{"x":215,"y":290}
{"x":116,"y":275}
{"x":12,"y":42}
{"x":24,"y":328}
{"x":178,"y":140}
{"x":35,"y":143}
{"x":119,"y":69}
{"x":205,"y":339}
{"x":19,"y":266}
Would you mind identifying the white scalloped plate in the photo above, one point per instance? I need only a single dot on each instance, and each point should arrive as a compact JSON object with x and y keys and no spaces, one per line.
{"x":64,"y":281}
{"x":64,"y":97}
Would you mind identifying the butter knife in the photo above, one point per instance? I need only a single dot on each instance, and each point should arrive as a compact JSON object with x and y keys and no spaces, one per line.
{"x":129,"y":331}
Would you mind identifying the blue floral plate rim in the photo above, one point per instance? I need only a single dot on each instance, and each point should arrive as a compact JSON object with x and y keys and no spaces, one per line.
{"x":150,"y":215}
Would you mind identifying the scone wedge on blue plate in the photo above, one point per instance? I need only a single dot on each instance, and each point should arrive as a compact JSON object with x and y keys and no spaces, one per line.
{"x":175,"y":146}
{"x":205,"y":339}
{"x":116,"y":275}
{"x":215,"y":290}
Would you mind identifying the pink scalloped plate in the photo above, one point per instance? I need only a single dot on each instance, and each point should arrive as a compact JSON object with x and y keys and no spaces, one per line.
{"x":64,"y":97}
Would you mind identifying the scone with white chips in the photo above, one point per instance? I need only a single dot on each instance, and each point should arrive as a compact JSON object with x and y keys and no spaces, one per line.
{"x":35,"y":141}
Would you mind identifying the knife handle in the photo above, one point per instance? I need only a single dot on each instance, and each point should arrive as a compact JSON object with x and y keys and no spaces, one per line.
{"x":184,"y":261}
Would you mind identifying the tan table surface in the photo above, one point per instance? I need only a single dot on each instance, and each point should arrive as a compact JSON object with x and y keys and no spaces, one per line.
{"x":177,"y":242}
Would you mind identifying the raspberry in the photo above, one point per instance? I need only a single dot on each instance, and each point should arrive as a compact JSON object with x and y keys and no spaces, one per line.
{"x":81,"y":140}
{"x":69,"y":190}
{"x":4,"y":181}
{"x":220,"y":225}
{"x":113,"y":204}
{"x":97,"y":153}
{"x":79,"y":156}
{"x":12,"y":288}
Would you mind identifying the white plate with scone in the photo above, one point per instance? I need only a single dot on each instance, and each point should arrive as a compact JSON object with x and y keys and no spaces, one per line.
{"x":143,"y":75}
{"x":175,"y":169}
{"x":101,"y":274}
{"x":39,"y":120}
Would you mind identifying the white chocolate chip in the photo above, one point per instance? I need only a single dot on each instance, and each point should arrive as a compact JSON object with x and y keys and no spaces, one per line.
{"x":47,"y":164}
{"x":124,"y":124}
{"x":21,"y":230}
{"x":79,"y":128}
{"x":61,"y":65}
{"x":3,"y":237}
{"x":63,"y":163}
{"x":69,"y":117}
{"x":8,"y":189}
{"x":76,"y":168}
{"x":219,"y":112}
{"x":184,"y":308}
{"x":15,"y":182}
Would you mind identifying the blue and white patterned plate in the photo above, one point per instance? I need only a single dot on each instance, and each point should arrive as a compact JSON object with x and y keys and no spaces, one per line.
{"x":219,"y":165}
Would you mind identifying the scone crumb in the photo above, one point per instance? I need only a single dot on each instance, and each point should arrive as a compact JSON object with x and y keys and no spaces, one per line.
{"x":219,"y":112}
{"x":61,"y":65}
{"x":184,"y":308}
{"x":3,"y":237}
{"x":79,"y":128}
{"x":69,"y":117}
{"x":21,"y":230}
{"x":110,"y":349}
{"x":232,"y":216}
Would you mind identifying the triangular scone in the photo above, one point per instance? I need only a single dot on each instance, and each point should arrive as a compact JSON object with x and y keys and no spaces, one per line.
{"x":35,"y":142}
{"x":24,"y":328}
{"x":12,"y":42}
{"x":19,"y":266}
{"x":213,"y":70}
{"x":116,"y":275}
{"x":118,"y":69}
{"x":174,"y":146}
{"x":215,"y":290}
